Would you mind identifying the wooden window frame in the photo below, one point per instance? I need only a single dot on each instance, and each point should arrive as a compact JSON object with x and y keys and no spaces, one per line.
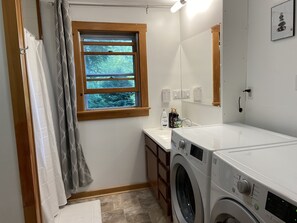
{"x":142,"y":109}
{"x":216,"y":61}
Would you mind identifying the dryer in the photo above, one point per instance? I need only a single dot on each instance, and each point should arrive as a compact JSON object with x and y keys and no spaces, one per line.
{"x":191,"y":159}
{"x":257,"y":185}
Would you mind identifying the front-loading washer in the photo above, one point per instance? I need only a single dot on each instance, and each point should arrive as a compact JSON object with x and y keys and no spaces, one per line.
{"x":257,"y":185}
{"x":191,"y":157}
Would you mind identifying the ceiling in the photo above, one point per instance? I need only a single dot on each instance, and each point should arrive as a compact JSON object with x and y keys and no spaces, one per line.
{"x":129,"y":2}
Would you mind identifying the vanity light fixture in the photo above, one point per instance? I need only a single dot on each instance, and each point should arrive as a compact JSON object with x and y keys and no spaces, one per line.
{"x":178,"y":5}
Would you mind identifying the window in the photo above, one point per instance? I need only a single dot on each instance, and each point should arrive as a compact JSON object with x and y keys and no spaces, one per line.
{"x":111,"y":70}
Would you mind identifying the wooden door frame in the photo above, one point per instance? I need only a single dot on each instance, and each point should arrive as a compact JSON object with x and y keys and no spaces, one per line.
{"x":24,"y":135}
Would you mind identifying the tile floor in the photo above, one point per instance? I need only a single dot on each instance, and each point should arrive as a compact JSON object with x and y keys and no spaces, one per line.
{"x":138,"y":206}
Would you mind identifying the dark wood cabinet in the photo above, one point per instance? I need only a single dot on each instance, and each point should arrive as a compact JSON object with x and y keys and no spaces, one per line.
{"x":158,"y":173}
{"x":152,"y":170}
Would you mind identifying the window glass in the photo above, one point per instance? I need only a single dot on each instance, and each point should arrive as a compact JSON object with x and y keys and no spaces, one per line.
{"x":110,"y":100}
{"x":107,"y":65}
{"x":95,"y":48}
{"x":107,"y":38}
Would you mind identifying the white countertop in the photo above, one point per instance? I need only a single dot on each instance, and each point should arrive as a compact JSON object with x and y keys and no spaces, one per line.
{"x":233,"y":135}
{"x":160,"y":136}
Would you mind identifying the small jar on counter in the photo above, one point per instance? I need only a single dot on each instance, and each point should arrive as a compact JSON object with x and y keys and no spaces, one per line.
{"x":173,"y":118}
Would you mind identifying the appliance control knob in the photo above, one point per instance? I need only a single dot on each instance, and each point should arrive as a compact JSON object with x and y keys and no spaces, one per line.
{"x":244,"y":186}
{"x":182,"y":144}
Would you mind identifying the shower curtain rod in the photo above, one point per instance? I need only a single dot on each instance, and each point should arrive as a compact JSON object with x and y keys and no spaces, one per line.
{"x":116,"y":5}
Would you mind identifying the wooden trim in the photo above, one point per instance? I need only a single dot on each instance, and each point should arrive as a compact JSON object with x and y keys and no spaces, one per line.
{"x":82,"y":72}
{"x":109,"y":53}
{"x":140,"y":61}
{"x":40,"y":31}
{"x":90,"y":194}
{"x":107,"y":43}
{"x":14,"y":37}
{"x":101,"y":26}
{"x":216,"y":64}
{"x":111,"y":79}
{"x":112,"y":113}
{"x":215,"y":28}
{"x":216,"y":103}
{"x":78,"y":60}
{"x":143,"y":69}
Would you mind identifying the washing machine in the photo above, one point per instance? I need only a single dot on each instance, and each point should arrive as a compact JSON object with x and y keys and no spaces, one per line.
{"x":191,"y":159}
{"x":255,"y":186}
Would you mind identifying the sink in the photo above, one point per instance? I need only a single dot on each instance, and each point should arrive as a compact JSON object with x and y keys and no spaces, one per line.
{"x":165,"y":137}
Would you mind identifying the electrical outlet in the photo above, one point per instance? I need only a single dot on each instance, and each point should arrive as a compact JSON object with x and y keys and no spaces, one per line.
{"x":165,"y":95}
{"x":185,"y":94}
{"x":176,"y":94}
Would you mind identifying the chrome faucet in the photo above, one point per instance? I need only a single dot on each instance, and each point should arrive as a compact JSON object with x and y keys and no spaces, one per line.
{"x":186,"y":122}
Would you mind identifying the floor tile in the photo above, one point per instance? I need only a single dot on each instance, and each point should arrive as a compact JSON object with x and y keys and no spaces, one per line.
{"x":139,"y":206}
{"x":115,"y":216}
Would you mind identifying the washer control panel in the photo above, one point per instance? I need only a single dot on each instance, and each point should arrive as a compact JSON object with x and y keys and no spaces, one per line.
{"x":243,"y":186}
{"x":182,"y":144}
{"x":265,"y":203}
{"x":281,"y":208}
{"x":195,"y":154}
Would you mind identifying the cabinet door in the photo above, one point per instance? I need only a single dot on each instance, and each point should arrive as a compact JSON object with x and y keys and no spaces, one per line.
{"x":152,"y":170}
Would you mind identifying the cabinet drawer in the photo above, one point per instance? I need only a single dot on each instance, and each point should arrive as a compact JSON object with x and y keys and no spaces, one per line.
{"x":164,"y":173}
{"x":152,"y":171}
{"x":166,"y":205}
{"x":164,"y":189}
{"x":164,"y":157}
{"x":151,"y":144}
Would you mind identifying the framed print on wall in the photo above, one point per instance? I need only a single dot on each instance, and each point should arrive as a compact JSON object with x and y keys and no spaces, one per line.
{"x":283,"y":20}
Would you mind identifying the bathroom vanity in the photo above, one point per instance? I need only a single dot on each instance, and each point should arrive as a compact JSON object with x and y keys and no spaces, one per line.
{"x":157,"y":149}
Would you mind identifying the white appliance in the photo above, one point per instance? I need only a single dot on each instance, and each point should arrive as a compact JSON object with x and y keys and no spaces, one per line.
{"x":255,"y":186}
{"x":191,"y":156}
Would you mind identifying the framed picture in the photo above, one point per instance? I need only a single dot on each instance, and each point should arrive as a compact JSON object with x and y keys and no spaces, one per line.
{"x":283,"y":20}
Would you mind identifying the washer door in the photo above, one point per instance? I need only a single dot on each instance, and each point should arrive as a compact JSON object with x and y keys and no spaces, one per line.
{"x":230,"y":211}
{"x":186,"y":197}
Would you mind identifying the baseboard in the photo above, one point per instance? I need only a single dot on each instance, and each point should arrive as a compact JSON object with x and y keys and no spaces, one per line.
{"x":92,"y":194}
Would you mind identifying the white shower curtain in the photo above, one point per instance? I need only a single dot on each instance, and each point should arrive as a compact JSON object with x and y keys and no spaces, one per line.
{"x":51,"y":186}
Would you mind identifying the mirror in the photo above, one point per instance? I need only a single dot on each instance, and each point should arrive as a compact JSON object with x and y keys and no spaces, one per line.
{"x":200,"y":67}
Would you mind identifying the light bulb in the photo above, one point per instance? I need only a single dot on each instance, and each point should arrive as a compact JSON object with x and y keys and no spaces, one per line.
{"x":178,"y":5}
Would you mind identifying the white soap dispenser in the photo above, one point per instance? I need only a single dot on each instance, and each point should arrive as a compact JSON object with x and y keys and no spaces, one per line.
{"x":164,"y":119}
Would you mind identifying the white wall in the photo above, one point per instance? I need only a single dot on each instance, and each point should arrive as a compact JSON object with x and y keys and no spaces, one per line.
{"x":202,"y":114}
{"x":114,"y":148}
{"x":233,"y":58}
{"x":198,"y":16}
{"x":11,"y":209}
{"x":271,"y":72}
{"x":196,"y":19}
